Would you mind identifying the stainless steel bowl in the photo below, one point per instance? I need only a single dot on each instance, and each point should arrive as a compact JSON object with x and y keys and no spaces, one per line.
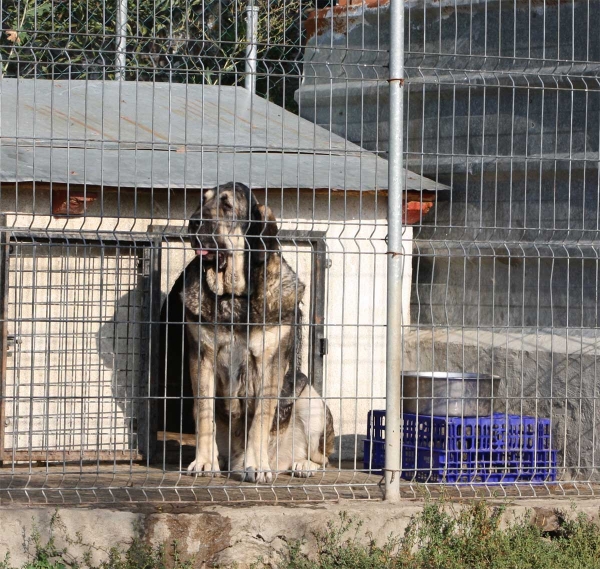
{"x":450,"y":394}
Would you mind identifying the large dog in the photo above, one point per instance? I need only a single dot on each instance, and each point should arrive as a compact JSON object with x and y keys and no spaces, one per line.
{"x":254,"y":409}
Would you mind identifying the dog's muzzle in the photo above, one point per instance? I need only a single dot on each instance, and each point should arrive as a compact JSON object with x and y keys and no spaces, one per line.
{"x":206,"y":247}
{"x":209,"y":256}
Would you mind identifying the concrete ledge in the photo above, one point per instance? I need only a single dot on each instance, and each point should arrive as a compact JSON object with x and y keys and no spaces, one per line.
{"x":234,"y":534}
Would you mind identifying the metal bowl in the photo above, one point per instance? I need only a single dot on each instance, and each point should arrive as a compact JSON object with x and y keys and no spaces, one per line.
{"x":451,"y":394}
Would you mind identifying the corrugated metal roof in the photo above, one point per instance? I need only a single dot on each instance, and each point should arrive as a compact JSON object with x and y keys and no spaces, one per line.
{"x":160,"y":135}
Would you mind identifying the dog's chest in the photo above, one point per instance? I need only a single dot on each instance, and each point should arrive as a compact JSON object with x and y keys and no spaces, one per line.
{"x":235,"y":369}
{"x":211,"y":309}
{"x":223,"y":310}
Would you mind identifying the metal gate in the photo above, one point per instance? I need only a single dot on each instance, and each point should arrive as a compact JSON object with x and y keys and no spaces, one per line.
{"x":78,"y":332}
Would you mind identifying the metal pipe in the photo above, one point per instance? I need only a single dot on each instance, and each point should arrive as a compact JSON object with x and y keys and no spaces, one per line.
{"x":395,"y":257}
{"x":121,"y":34}
{"x":251,"y":47}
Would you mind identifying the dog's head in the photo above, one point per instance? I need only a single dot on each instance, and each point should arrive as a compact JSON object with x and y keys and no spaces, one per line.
{"x":230,"y":230}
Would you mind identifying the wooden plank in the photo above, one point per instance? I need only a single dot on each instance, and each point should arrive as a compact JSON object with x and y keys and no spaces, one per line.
{"x":69,"y":456}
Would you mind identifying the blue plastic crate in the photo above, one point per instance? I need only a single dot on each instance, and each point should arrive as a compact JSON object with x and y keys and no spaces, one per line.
{"x":497,"y":432}
{"x":420,"y":465}
{"x":376,"y":425}
{"x":491,"y":449}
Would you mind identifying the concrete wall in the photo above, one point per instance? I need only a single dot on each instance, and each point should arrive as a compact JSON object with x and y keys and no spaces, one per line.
{"x":355,"y":297}
{"x":231,"y":536}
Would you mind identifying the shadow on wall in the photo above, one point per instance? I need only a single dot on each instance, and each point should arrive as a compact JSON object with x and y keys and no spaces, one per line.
{"x":123,"y":348}
{"x":348,"y":448}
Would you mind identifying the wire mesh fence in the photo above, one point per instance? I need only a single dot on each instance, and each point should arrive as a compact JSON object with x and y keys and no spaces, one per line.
{"x":167,"y":335}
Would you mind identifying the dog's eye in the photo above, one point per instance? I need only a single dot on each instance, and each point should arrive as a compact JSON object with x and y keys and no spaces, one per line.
{"x":225,"y":204}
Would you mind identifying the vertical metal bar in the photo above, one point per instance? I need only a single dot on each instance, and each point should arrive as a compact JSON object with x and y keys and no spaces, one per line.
{"x":154,"y":359}
{"x":3,"y":329}
{"x":152,"y":258}
{"x":395,"y":259}
{"x":121,"y":36}
{"x":317,"y":299}
{"x":251,"y":46}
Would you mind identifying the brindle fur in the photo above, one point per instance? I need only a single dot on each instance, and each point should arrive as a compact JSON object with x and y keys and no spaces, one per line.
{"x":242,"y":310}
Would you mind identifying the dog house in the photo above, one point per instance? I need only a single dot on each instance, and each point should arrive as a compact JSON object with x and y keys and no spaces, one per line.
{"x":97,"y":181}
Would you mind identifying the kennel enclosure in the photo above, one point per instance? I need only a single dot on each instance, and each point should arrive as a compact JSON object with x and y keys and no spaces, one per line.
{"x":114,"y":120}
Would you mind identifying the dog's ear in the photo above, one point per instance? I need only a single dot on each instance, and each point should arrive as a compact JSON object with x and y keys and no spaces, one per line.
{"x":207,"y":195}
{"x":262,"y":233}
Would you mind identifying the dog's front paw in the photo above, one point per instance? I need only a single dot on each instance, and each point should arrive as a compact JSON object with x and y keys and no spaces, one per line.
{"x":257,"y":469}
{"x":252,"y":474}
{"x":204,"y":466}
{"x":304,"y":468}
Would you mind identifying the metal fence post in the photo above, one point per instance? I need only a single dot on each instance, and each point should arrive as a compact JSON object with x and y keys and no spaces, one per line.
{"x":251,"y":46}
{"x":395,"y":258}
{"x":121,"y":33}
